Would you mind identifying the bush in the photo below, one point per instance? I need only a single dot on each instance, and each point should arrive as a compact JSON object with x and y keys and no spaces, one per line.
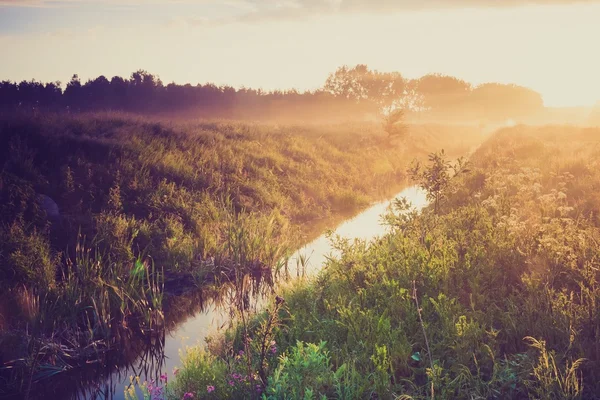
{"x":26,"y":257}
{"x":202,"y":374}
{"x":303,"y":373}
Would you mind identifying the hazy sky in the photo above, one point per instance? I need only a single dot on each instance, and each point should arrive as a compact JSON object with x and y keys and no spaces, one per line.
{"x":548,"y":45}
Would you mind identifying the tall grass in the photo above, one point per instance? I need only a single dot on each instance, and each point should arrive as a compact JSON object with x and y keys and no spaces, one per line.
{"x":507,"y":279}
{"x":168,"y":207}
{"x":77,"y":321}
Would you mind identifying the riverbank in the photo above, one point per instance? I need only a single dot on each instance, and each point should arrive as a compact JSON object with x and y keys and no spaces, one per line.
{"x":214,"y":316}
{"x":492,"y":295}
{"x":101,"y":214}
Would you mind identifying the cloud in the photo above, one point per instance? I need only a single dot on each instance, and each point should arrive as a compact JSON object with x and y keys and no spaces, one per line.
{"x":21,"y":3}
{"x":255,"y":11}
{"x":398,"y":5}
{"x":76,"y":3}
{"x":306,"y":5}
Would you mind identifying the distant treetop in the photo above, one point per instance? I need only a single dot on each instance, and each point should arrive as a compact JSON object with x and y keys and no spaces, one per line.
{"x":353,"y":91}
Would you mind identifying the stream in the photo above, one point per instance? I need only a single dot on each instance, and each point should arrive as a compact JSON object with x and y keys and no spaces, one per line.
{"x":198,"y":326}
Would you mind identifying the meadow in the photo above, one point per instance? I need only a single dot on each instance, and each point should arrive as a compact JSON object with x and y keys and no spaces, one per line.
{"x":108,"y":217}
{"x":492,"y":292}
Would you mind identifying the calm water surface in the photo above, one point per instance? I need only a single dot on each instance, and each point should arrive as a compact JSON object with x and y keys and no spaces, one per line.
{"x":198,"y":326}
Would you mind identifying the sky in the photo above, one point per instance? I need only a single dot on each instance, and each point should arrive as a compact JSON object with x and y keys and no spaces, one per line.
{"x":547,"y":45}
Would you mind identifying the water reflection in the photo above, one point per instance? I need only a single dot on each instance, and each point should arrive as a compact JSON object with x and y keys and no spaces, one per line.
{"x":191,"y":317}
{"x":365,"y":226}
{"x":195,"y":329}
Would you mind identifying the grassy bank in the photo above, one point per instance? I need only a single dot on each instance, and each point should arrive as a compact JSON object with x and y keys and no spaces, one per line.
{"x":494,"y":296}
{"x":103,"y":215}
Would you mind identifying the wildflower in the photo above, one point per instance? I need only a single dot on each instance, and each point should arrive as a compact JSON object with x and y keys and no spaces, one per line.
{"x":258,"y":389}
{"x":163,"y":378}
{"x":231,"y":383}
{"x":175,"y":371}
{"x":241,"y":353}
{"x":210,"y":388}
{"x":188,"y":395}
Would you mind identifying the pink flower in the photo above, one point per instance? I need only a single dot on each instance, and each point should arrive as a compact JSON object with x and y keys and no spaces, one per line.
{"x":231,"y":383}
{"x":241,"y":353}
{"x":210,"y":388}
{"x":164,"y":378}
{"x":188,"y":395}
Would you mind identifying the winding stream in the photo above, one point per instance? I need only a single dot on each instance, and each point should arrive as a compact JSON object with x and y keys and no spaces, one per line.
{"x":197,"y":327}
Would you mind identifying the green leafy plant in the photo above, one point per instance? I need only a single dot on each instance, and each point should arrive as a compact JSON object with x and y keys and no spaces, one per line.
{"x":303,"y":373}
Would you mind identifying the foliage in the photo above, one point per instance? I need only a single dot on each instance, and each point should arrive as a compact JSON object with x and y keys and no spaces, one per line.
{"x":181,"y":194}
{"x":435,"y":179}
{"x":357,"y":91}
{"x":511,"y":256}
{"x":360,"y":84}
{"x":304,"y":373}
{"x":26,"y":257}
{"x":200,"y":371}
{"x":550,"y":381}
{"x":166,"y":208}
{"x":74,"y":322}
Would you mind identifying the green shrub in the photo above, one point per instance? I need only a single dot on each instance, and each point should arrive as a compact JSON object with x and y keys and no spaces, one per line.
{"x":200,"y":372}
{"x":26,"y":257}
{"x":303,"y":373}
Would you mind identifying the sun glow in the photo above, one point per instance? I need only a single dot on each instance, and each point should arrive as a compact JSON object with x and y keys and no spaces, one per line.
{"x":546,"y":48}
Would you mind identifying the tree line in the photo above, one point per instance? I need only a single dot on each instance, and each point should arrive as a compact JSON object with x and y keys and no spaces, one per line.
{"x":357,"y":90}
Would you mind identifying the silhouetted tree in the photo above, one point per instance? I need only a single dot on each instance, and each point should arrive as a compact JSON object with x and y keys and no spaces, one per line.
{"x":73,"y":95}
{"x":356,"y":91}
{"x":9,"y":95}
{"x":441,"y":92}
{"x":384,"y":90}
{"x":119,"y":92}
{"x":497,"y":101}
{"x":97,"y":94}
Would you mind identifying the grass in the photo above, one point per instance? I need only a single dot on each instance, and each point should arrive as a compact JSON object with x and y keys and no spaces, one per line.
{"x":493,"y":295}
{"x":151,"y":210}
{"x":79,"y":320}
